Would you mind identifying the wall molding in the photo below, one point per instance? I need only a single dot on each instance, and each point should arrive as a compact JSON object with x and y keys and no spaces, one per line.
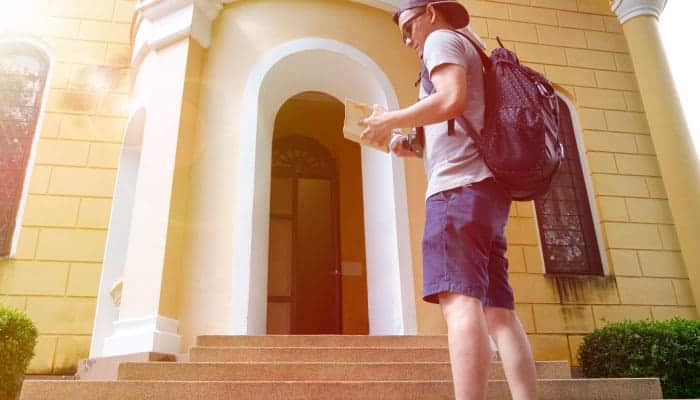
{"x":159,"y":23}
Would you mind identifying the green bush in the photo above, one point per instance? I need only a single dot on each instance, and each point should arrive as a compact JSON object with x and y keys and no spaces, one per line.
{"x":669,"y":350}
{"x":17,"y":340}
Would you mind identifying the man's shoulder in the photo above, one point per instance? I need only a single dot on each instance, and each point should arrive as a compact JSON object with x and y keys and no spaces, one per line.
{"x":444,"y":35}
{"x":450,"y":42}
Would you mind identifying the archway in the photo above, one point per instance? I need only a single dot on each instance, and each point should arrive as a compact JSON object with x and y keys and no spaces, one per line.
{"x":314,"y":64}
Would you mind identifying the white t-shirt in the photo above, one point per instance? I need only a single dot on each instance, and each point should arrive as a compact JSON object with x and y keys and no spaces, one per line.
{"x":454,"y":161}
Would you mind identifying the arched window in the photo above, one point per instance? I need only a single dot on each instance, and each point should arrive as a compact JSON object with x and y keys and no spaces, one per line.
{"x":564,"y":216}
{"x":23,"y":71}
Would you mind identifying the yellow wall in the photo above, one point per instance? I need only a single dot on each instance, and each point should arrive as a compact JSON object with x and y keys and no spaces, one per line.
{"x":580,"y":46}
{"x":55,"y":273}
{"x":577,"y":43}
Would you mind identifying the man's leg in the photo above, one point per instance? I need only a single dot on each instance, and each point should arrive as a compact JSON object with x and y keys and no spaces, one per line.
{"x":514,"y":349}
{"x":470,"y":353}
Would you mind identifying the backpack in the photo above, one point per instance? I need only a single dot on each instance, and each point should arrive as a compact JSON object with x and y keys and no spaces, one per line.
{"x":520,"y":140}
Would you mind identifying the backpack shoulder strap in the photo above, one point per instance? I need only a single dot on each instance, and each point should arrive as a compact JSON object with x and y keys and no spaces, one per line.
{"x":485,"y":59}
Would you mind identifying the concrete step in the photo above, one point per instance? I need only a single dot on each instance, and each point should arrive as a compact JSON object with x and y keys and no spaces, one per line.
{"x":578,"y":389}
{"x":105,"y":368}
{"x":295,"y":371}
{"x":322,"y":341}
{"x":319,"y":354}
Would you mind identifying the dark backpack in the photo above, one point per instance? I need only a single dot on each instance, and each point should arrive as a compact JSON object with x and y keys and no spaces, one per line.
{"x":520,"y":139}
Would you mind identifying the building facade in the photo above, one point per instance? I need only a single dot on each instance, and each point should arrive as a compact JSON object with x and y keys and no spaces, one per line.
{"x":177,"y":167}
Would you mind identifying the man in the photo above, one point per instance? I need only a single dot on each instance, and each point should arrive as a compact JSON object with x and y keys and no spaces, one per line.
{"x":464,"y":264}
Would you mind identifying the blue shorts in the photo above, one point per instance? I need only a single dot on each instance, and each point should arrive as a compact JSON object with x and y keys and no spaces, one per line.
{"x":464,"y":244}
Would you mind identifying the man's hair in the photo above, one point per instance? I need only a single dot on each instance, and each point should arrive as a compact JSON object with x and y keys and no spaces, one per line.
{"x":442,"y":13}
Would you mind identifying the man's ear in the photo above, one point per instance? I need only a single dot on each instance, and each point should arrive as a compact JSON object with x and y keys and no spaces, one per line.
{"x":432,"y":12}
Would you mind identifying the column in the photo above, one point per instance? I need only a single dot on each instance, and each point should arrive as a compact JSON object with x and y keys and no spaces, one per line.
{"x":669,"y":129}
{"x":165,"y":32}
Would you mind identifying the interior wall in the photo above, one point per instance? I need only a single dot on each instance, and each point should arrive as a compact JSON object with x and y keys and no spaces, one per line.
{"x":320,"y":117}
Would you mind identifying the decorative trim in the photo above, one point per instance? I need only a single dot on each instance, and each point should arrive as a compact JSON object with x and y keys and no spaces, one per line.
{"x":210,"y":8}
{"x":116,"y":292}
{"x":384,"y":5}
{"x":151,"y":334}
{"x":628,"y":9}
{"x":164,"y":22}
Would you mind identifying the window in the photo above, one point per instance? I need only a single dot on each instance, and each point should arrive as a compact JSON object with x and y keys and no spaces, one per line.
{"x":23,"y":71}
{"x":564,"y":216}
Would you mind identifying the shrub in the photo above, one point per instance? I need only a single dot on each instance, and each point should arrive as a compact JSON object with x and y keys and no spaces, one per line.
{"x":669,"y":350}
{"x":17,"y":340}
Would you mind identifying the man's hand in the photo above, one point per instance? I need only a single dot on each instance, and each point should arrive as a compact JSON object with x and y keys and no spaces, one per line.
{"x":399,"y":146}
{"x":377,"y":130}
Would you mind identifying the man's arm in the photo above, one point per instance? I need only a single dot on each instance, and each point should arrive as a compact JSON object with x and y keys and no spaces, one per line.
{"x":448,"y":102}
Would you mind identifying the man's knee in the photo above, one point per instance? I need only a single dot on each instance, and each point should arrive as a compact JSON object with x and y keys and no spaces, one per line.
{"x":497,"y":318}
{"x":460,"y":310}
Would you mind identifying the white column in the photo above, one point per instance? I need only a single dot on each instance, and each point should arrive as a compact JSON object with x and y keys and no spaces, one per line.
{"x":161,"y":44}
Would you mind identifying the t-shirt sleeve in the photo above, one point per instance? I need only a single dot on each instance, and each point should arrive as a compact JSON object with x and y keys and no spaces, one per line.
{"x":447,"y":47}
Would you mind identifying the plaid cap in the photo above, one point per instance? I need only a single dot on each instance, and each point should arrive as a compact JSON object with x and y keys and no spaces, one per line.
{"x":454,"y":12}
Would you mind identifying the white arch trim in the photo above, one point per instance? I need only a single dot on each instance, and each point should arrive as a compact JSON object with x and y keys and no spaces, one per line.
{"x":315,"y":63}
{"x":45,"y":50}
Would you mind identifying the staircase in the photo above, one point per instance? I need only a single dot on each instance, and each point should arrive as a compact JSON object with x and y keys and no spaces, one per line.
{"x":321,"y":367}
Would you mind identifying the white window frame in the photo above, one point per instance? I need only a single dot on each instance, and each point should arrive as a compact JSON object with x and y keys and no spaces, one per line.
{"x":43,"y":48}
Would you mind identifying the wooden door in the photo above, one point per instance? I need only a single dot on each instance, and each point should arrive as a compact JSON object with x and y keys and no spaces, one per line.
{"x":304,"y":280}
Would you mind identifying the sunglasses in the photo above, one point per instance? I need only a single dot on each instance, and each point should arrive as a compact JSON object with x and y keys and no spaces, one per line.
{"x":407,"y":27}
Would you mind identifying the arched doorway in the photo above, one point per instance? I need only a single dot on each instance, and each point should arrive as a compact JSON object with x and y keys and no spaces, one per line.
{"x":311,"y":225}
{"x":314,"y":62}
{"x":304,"y":257}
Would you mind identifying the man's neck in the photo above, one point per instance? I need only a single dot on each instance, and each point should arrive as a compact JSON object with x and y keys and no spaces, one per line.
{"x":437,"y":25}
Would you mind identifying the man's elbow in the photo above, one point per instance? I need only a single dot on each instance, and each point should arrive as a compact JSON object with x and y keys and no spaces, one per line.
{"x":455,"y":106}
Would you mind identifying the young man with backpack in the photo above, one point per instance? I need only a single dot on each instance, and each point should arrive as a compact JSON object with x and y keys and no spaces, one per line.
{"x":464,"y":264}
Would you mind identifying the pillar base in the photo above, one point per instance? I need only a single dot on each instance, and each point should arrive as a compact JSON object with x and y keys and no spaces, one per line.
{"x":151,"y":334}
